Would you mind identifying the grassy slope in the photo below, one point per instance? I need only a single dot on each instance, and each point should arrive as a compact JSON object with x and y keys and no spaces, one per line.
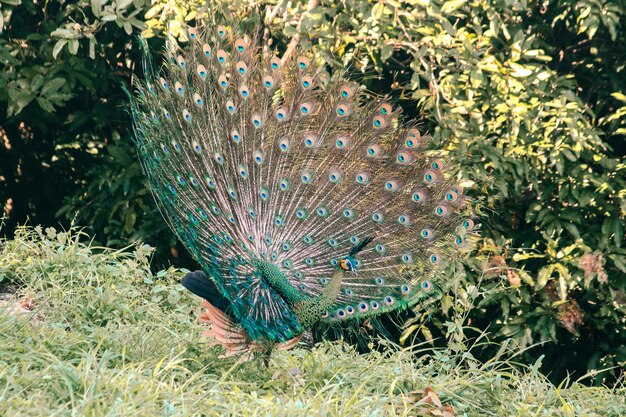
{"x":106,"y":337}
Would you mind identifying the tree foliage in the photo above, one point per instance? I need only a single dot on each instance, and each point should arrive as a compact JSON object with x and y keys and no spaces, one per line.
{"x":527,"y":97}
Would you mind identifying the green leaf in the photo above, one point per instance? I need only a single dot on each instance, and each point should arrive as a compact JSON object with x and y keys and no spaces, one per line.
{"x":64,"y":33}
{"x":45,"y":104}
{"x":611,"y":226}
{"x":290,"y":31}
{"x":520,"y":71}
{"x":96,"y":7}
{"x":92,"y":46}
{"x":36,"y":82}
{"x":452,"y":5}
{"x":618,"y":230}
{"x":543,"y":276}
{"x":120,"y":155}
{"x":52,"y":86}
{"x":123,"y":4}
{"x":129,"y":220}
{"x":386,"y":51}
{"x":58,"y":47}
{"x":73,"y":46}
{"x":619,"y":96}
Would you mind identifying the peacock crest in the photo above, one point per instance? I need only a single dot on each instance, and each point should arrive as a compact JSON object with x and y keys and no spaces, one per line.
{"x":275,"y":176}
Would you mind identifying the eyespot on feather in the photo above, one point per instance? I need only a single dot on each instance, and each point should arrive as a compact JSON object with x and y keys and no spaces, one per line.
{"x":427,"y":233}
{"x":242,"y":68}
{"x":222,"y":81}
{"x":346,"y":92}
{"x":430,"y":177}
{"x":459,"y":241}
{"x":256,"y":121}
{"x":206,"y":49}
{"x":259,"y":157}
{"x":379,"y":122}
{"x":392,"y":185}
{"x":335,"y":176}
{"x":281,"y":114}
{"x":283,"y":145}
{"x":193,"y":33}
{"x":201,"y":69}
{"x":244,"y":91}
{"x":306,"y":82}
{"x":303,"y":62}
{"x":385,"y":109}
{"x":230,"y":106}
{"x":437,"y":164}
{"x":275,"y":63}
{"x":221,"y":31}
{"x":234,"y":135}
{"x":240,"y":45}
{"x":307,"y":176}
{"x":362,"y":178}
{"x":451,"y":196}
{"x":468,"y":224}
{"x":404,"y":219}
{"x":441,"y":210}
{"x":306,"y":108}
{"x":222,"y":56}
{"x":343,"y":110}
{"x":268,"y":82}
{"x":413,"y":133}
{"x":419,"y":196}
{"x":311,"y":140}
{"x":342,"y":142}
{"x":374,"y":151}
{"x":404,"y":158}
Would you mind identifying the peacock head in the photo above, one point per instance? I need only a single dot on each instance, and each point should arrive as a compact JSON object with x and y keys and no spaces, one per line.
{"x":348,"y":264}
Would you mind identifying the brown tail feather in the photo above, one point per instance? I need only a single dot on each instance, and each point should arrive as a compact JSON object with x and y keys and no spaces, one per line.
{"x":226,"y":333}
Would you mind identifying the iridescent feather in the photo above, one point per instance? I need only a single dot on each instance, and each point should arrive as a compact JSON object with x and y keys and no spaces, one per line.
{"x":258,"y":161}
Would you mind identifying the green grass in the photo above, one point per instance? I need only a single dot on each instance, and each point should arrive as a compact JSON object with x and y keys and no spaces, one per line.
{"x":105,"y":337}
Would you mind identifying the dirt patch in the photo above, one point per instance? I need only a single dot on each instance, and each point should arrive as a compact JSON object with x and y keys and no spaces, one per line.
{"x":13,"y":303}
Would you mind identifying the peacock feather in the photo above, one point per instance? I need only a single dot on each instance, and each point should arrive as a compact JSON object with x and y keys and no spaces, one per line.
{"x":304,"y":197}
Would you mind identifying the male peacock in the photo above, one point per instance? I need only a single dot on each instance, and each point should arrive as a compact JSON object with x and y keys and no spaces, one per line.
{"x":300,"y":194}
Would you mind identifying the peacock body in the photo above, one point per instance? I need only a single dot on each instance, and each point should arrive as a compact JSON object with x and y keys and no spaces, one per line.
{"x":302,"y":196}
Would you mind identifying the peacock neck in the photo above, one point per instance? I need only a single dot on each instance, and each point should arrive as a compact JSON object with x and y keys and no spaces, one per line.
{"x":277,"y":280}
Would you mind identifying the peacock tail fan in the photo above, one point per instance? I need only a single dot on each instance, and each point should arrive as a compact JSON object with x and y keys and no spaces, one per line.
{"x":254,"y":159}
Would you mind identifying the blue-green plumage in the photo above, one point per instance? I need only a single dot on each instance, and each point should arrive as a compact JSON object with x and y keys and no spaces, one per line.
{"x":303,"y":197}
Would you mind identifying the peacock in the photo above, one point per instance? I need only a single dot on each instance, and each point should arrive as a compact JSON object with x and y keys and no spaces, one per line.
{"x":304,"y":197}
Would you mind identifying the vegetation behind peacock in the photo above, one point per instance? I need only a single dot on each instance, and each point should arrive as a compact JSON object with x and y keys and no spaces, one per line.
{"x":302,"y":196}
